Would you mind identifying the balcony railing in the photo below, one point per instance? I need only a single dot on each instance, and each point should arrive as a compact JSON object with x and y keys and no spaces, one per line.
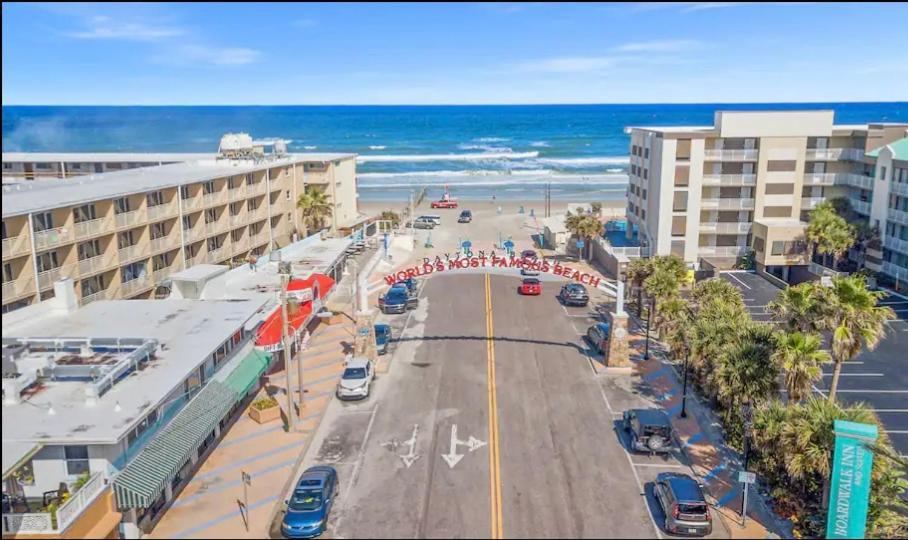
{"x":135,"y":285}
{"x":135,"y":251}
{"x":192,"y":203}
{"x":899,"y":188}
{"x":723,"y":251}
{"x":895,"y":270}
{"x":43,"y":523}
{"x":820,"y":270}
{"x":164,"y":243}
{"x":861,"y":207}
{"x":898,"y":216}
{"x":732,"y":155}
{"x":162,"y":211}
{"x":103,"y":294}
{"x":852,"y":154}
{"x":240,"y":246}
{"x":809,"y":203}
{"x":258,"y":214}
{"x":855,"y":180}
{"x":896,"y":244}
{"x":219,"y":254}
{"x":258,"y":239}
{"x":130,"y":219}
{"x":238,"y":192}
{"x":728,"y":204}
{"x":212,"y":199}
{"x":199,"y":232}
{"x":15,"y":246}
{"x":238,"y":220}
{"x":726,"y":228}
{"x":820,"y":179}
{"x":729,"y":179}
{"x":47,"y":279}
{"x":13,"y":290}
{"x":160,"y":275}
{"x":92,"y":228}
{"x":257,"y":188}
{"x":49,"y":238}
{"x":94,"y":264}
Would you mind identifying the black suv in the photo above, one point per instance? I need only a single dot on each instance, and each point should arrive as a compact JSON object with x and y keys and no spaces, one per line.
{"x":650,"y":430}
{"x":574,"y":294}
{"x":683,"y":504}
{"x":466,"y":216}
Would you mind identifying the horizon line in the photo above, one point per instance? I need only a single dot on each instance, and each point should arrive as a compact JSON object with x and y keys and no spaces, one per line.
{"x":446,"y":104}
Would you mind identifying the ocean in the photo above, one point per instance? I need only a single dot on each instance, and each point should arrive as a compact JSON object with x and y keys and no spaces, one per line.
{"x":476,"y":151}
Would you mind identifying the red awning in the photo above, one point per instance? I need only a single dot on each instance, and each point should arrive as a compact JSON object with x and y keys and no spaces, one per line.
{"x":268,"y":335}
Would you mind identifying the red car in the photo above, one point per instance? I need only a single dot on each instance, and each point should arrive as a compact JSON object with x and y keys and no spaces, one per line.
{"x":531,"y":286}
{"x":444,"y":204}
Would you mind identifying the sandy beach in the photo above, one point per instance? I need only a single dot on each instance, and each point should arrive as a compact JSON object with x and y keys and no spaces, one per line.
{"x":487,"y":209}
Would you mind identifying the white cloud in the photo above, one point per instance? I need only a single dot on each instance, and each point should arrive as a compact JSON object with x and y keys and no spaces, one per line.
{"x":103,"y":27}
{"x":691,"y":7}
{"x":670,"y":45}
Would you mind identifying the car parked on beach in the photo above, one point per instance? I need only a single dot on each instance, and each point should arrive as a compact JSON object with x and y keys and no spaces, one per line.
{"x":423,"y":223}
{"x":308,"y":508}
{"x":397,"y":300}
{"x":683,"y":504}
{"x":574,"y":294}
{"x":531,"y":287}
{"x":466,"y":216}
{"x":444,"y":204}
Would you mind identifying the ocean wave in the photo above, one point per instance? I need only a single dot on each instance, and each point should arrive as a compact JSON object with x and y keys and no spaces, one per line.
{"x":619,"y":187}
{"x":584,"y":162}
{"x":492,"y":139}
{"x":310,"y":147}
{"x":449,"y":157}
{"x":484,"y":147}
{"x":544,"y":173}
{"x":539,"y":144}
{"x":616,"y":169}
{"x":377,"y":147}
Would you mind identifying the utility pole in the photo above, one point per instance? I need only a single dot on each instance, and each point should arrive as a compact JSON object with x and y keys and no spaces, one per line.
{"x":285,"y":340}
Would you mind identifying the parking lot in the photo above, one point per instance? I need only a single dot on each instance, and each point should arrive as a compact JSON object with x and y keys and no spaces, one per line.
{"x":877,"y":378}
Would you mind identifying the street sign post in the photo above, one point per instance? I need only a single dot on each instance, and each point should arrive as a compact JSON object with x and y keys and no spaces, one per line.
{"x":746,"y":478}
{"x":247,"y":481}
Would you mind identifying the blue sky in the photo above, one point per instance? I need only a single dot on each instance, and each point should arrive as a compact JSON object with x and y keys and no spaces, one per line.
{"x":148,"y":54}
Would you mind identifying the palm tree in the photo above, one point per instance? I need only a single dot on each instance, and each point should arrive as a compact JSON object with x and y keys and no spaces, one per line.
{"x":674,"y":324}
{"x":315,"y":207}
{"x":799,"y":356}
{"x":584,"y":227}
{"x":828,"y":233}
{"x":637,"y":272}
{"x":852,"y":314}
{"x":746,"y":374}
{"x":393,"y":217}
{"x":796,"y":308}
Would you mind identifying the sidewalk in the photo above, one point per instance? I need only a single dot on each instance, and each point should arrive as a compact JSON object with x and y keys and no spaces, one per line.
{"x":209,"y":506}
{"x":700,"y":433}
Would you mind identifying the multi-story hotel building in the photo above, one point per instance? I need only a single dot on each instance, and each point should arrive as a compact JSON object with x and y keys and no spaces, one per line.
{"x":121,"y":234}
{"x":748,"y":183}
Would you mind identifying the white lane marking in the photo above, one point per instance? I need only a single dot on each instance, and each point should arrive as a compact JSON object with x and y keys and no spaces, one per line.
{"x":452,"y":458}
{"x":866,"y":391}
{"x":855,"y":374}
{"x":890,"y":410}
{"x":607,"y":404}
{"x":745,"y":285}
{"x":355,"y":473}
{"x":896,"y":431}
{"x":660,"y":465}
{"x":411,"y":456}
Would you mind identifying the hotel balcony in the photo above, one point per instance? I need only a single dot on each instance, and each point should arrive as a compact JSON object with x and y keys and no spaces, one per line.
{"x":15,"y":246}
{"x":258,"y":214}
{"x":723,"y":251}
{"x":214,"y":199}
{"x":136,"y":251}
{"x":14,"y":290}
{"x":258,"y":188}
{"x":820,"y":179}
{"x":218,"y":255}
{"x":852,"y":154}
{"x":809,"y":203}
{"x":898,"y":216}
{"x":94,"y":264}
{"x":199,"y":232}
{"x":165,"y":243}
{"x":729,"y":179}
{"x":732,"y":155}
{"x":726,"y":228}
{"x":49,"y":238}
{"x":258,"y":239}
{"x":136,"y":286}
{"x":162,"y":211}
{"x":131,"y":219}
{"x":238,"y":220}
{"x":240,"y":246}
{"x":192,"y":203}
{"x":899,"y":188}
{"x":735,"y":203}
{"x":237,"y":193}
{"x":105,"y":294}
{"x":896,"y":244}
{"x":46,"y":525}
{"x":87,"y":229}
{"x":895,"y":270}
{"x":854,"y":180}
{"x":861,"y":207}
{"x":46,"y":279}
{"x":160,"y":275}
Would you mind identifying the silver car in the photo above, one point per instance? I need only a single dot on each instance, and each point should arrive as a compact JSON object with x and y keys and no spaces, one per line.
{"x":356,"y":381}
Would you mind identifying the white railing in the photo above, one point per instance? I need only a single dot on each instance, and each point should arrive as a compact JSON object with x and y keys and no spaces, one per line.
{"x":28,"y":524}
{"x":15,"y":245}
{"x":257,"y":188}
{"x":199,"y":232}
{"x":723,"y":251}
{"x":47,"y":279}
{"x":49,"y":238}
{"x":896,"y":244}
{"x":241,"y":245}
{"x":726,"y":228}
{"x":899,"y":188}
{"x":732,"y":155}
{"x":820,"y":179}
{"x":853,"y":154}
{"x":218,"y":197}
{"x":160,"y":275}
{"x":17,"y":288}
{"x":861,"y":207}
{"x":895,"y":270}
{"x":129,"y":219}
{"x":730,"y":179}
{"x":257,"y":239}
{"x":91,"y":228}
{"x":80,"y":500}
{"x":237,"y":193}
{"x":809,"y":203}
{"x":218,"y":254}
{"x":729,"y":203}
{"x":820,"y":270}
{"x":100,"y":295}
{"x":133,"y":286}
{"x":161,"y":211}
{"x":855,"y":180}
{"x":631,"y":252}
{"x":256,"y":215}
{"x":94,"y":264}
{"x":164,"y":243}
{"x":133,"y":252}
{"x":192,"y":203}
{"x":898,"y":216}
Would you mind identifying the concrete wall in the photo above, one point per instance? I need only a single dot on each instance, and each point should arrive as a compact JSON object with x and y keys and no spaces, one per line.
{"x":774,"y":124}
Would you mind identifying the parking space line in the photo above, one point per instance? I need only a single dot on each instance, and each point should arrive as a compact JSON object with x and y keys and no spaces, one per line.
{"x":890,"y":410}
{"x":745,"y":285}
{"x":660,"y":465}
{"x":855,"y":374}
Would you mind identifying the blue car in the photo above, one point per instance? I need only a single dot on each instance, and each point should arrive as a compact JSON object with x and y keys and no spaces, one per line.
{"x":308,"y":507}
{"x":382,"y":337}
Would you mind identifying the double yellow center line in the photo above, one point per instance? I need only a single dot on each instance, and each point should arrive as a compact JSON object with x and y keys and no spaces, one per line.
{"x":494,"y":456}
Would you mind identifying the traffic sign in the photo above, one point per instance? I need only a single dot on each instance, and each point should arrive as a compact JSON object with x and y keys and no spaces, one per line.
{"x":580,"y":244}
{"x":508,"y":245}
{"x":747,"y":477}
{"x":466,"y":244}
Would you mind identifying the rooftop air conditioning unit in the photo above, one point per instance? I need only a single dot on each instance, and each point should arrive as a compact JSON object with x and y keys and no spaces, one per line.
{"x":235,"y":145}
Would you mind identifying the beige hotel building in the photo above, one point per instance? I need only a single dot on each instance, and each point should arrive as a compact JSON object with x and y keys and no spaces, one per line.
{"x":120,"y":234}
{"x":713,"y":193}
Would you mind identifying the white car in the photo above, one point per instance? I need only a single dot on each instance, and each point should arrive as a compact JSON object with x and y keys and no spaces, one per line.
{"x":356,"y":381}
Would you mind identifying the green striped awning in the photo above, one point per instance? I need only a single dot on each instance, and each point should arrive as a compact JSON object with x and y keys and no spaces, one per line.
{"x":247,"y":373}
{"x":145,"y":477}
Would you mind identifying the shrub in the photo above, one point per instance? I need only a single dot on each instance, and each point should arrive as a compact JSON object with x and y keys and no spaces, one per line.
{"x":264,"y":403}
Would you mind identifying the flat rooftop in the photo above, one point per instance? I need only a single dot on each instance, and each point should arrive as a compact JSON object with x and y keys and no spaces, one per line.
{"x":103,"y":157}
{"x":187,"y":330}
{"x":23,"y":198}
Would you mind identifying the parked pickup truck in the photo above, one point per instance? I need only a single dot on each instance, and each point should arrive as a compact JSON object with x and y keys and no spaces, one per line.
{"x":397,"y":300}
{"x":444,"y":204}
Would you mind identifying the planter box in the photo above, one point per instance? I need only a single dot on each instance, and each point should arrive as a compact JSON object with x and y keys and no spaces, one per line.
{"x":265,"y":415}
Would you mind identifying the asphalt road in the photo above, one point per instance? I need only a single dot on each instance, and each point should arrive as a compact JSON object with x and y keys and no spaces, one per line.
{"x":559,"y":470}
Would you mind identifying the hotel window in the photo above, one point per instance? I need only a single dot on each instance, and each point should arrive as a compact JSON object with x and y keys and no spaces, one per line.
{"x":252,"y":205}
{"x":7,"y":272}
{"x":215,"y":242}
{"x":208,"y":187}
{"x":158,"y":231}
{"x":680,"y":201}
{"x":210,"y":215}
{"x":249,"y":179}
{"x":235,"y":208}
{"x":232,"y":182}
{"x":76,"y":459}
{"x":683,"y":149}
{"x":132,"y":272}
{"x":160,"y":262}
{"x":87,"y":250}
{"x":155,"y":198}
{"x":126,"y":239}
{"x":759,"y":244}
{"x":121,"y":205}
{"x":184,"y":192}
{"x":193,"y":250}
{"x":47,"y":261}
{"x":236,"y":235}
{"x":644,"y":194}
{"x":779,"y":189}
{"x":646,"y":153}
{"x":781,"y":165}
{"x":42,"y":166}
{"x":83,"y":213}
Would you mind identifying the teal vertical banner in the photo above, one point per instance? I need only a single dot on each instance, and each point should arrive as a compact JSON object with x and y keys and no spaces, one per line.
{"x":849,"y":493}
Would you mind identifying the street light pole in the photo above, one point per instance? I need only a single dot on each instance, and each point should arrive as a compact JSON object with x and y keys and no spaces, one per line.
{"x":684,"y":391}
{"x":285,"y":340}
{"x":649,"y":324}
